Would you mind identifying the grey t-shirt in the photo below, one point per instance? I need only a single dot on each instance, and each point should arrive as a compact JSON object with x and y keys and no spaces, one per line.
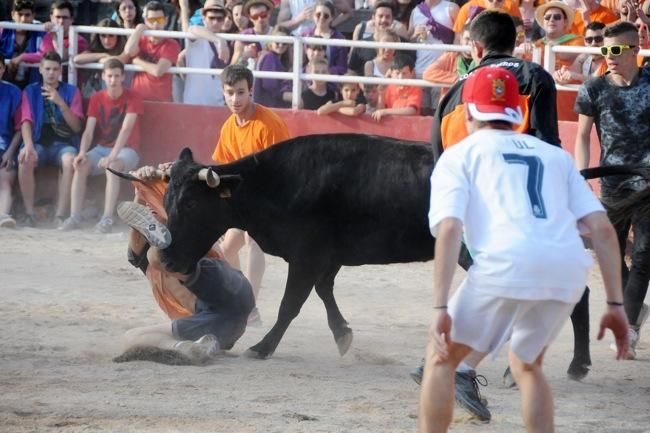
{"x":622,"y":118}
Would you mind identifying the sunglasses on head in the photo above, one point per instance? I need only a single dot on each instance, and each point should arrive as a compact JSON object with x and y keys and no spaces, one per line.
{"x":318,"y":15}
{"x":156,"y":20}
{"x":259,"y":15}
{"x":555,"y":17}
{"x":596,"y":39}
{"x":614,"y":50}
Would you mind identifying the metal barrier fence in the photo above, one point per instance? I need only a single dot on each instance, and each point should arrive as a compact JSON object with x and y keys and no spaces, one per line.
{"x":296,"y":75}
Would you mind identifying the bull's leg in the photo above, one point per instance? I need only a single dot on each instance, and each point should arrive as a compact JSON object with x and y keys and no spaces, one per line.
{"x":300,"y":281}
{"x":581,"y":357}
{"x":338,"y":325}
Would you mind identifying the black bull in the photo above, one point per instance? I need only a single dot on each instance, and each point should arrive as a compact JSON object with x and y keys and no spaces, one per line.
{"x":320,"y":202}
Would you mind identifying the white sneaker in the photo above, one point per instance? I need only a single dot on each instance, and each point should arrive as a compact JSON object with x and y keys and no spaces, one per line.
{"x":141,"y":218}
{"x":202,"y":350}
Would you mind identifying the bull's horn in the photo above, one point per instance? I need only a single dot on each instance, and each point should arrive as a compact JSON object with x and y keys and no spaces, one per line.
{"x":209,"y":176}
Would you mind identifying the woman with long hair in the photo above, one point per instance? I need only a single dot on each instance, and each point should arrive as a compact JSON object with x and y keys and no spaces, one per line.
{"x":127,"y":13}
{"x":101,"y":48}
{"x":337,"y":57}
{"x":276,"y":57}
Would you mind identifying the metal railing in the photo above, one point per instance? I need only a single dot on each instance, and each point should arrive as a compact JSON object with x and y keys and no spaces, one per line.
{"x":38,"y":28}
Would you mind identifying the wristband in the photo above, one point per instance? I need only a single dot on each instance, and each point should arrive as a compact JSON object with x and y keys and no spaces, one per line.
{"x":443,"y":307}
{"x":617,"y":304}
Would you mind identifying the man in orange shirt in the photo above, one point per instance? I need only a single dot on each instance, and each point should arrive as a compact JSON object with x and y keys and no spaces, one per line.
{"x":591,"y":11}
{"x":250,"y":128}
{"x":556,"y":18}
{"x":473,"y":7}
{"x":401,"y":100}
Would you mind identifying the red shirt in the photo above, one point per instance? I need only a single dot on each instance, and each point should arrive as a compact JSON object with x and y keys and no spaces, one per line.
{"x":110,"y":115}
{"x":397,"y":96}
{"x":149,"y":87}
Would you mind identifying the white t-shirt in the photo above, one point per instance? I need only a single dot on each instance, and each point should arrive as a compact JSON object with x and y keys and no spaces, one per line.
{"x":440,"y":13}
{"x":201,"y":89}
{"x":519,"y":200}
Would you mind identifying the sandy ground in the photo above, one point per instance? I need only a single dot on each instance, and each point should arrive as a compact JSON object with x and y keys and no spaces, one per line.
{"x":67,"y":300}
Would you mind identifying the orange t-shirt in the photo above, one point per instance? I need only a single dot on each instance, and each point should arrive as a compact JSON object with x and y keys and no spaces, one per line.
{"x":173,"y":298}
{"x":397,"y":96}
{"x":264,"y":129}
{"x":509,"y":6}
{"x":600,"y":14}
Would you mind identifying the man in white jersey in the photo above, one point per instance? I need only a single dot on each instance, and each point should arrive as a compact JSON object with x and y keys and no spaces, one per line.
{"x":520,"y":203}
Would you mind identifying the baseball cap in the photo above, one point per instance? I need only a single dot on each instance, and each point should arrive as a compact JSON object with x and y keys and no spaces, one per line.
{"x":213,"y":5}
{"x":492,"y":93}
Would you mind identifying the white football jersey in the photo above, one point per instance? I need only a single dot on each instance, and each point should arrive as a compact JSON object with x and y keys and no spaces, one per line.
{"x":519,"y":200}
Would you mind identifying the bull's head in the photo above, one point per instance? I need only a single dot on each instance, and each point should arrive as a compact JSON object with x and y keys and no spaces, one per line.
{"x":198,"y":209}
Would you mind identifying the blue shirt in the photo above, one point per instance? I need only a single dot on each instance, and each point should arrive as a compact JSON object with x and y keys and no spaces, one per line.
{"x":10,"y":97}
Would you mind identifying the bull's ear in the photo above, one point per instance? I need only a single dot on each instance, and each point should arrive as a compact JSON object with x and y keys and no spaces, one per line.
{"x":186,"y":154}
{"x":228,"y":184}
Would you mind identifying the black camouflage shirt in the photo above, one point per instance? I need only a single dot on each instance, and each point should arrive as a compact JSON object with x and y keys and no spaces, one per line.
{"x":622,"y":118}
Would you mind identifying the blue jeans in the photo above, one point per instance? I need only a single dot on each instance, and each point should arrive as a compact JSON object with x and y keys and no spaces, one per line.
{"x":53,"y":153}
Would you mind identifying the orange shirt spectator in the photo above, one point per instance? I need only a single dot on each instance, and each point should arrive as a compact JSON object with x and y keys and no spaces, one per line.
{"x":508,"y":6}
{"x":600,"y":14}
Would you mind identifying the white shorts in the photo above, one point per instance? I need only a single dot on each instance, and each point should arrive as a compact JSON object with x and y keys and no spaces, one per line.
{"x":128,"y":156}
{"x":485,"y":322}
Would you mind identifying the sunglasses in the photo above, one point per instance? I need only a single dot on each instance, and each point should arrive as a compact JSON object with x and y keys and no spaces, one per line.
{"x":260,"y":15}
{"x":319,"y":15}
{"x":594,"y":39}
{"x":555,"y":17}
{"x":614,"y":50}
{"x":156,"y":20}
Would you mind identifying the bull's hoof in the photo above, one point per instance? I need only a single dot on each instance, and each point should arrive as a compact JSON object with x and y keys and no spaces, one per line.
{"x":344,"y":341}
{"x":256,"y":353}
{"x":578,"y":370}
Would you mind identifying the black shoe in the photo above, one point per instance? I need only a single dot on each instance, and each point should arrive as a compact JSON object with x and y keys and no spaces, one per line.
{"x":417,"y":373}
{"x":468,"y":395}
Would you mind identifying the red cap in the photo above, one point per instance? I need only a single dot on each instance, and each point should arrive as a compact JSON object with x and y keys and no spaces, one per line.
{"x":492,"y":93}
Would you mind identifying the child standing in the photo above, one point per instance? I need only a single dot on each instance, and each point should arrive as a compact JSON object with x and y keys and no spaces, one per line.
{"x":348,"y":105}
{"x":318,"y":93}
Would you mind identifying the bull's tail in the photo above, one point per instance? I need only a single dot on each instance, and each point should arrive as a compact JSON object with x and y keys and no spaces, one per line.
{"x":617,"y":170}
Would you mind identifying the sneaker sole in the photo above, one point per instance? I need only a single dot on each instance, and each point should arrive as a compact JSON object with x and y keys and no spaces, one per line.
{"x":140,"y":218}
{"x":8,"y":224}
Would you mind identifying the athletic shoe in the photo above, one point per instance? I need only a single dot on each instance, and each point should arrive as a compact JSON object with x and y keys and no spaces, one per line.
{"x":468,"y":395}
{"x":202,"y":350}
{"x":105,"y":225}
{"x":71,"y":223}
{"x":417,"y":373}
{"x":141,"y":218}
{"x":7,"y":222}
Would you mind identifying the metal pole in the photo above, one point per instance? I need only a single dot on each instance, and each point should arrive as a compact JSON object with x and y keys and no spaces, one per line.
{"x":297,"y":70}
{"x":72,"y":51}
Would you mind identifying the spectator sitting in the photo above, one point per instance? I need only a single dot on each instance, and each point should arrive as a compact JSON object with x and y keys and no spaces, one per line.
{"x":318,"y":93}
{"x":324,"y":28}
{"x":113,"y":126}
{"x":401,"y":100}
{"x":15,"y":43}
{"x":452,"y":64}
{"x":61,"y":14}
{"x":102,"y":47}
{"x":207,"y":51}
{"x":556,"y":18}
{"x":586,"y":65}
{"x":374,"y":97}
{"x":591,"y":11}
{"x":155,"y":55}
{"x":297,"y":16}
{"x":380,"y":65}
{"x":259,"y":13}
{"x":9,"y":141}
{"x":348,"y":105}
{"x":50,"y":122}
{"x":272,"y":92}
{"x":382,"y":19}
{"x":127,"y":14}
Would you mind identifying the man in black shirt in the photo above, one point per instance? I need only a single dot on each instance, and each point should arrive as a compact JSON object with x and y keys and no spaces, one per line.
{"x":618,"y":104}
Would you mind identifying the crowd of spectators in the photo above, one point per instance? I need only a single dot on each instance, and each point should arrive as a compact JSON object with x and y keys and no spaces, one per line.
{"x":573,"y":22}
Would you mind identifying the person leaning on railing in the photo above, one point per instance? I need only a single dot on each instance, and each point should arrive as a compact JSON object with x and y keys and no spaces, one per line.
{"x":323,"y":27}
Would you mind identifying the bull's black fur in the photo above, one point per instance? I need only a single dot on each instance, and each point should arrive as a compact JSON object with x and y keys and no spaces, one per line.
{"x":320,"y":202}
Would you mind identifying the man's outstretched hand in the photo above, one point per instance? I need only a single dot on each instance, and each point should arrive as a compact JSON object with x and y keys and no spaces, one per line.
{"x":616,"y":320}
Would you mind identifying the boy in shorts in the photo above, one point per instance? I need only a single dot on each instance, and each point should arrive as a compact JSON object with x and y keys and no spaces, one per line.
{"x":113,"y":126}
{"x":520,"y":203}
